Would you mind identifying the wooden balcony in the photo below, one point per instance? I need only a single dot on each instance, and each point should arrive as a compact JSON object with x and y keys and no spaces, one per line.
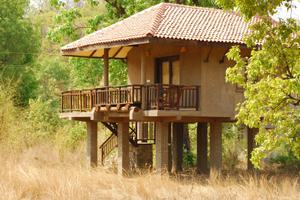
{"x":147,"y":97}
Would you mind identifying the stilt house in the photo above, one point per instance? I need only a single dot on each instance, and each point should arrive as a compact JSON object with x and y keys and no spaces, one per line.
{"x":176,"y":62}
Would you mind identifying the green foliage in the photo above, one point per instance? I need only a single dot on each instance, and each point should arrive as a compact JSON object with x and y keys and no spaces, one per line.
{"x":270,"y":78}
{"x":43,"y":117}
{"x":7,"y":111}
{"x":68,"y":28}
{"x":18,"y":39}
{"x":250,"y":8}
{"x":70,"y":135}
{"x":31,"y":80}
{"x":233,"y":145}
{"x":86,"y":72}
{"x":189,"y":158}
{"x":53,"y":76}
{"x":286,"y":159}
{"x":118,"y":72}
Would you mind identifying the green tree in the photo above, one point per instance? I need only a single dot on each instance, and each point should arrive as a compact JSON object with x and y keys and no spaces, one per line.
{"x":18,"y":44}
{"x":270,"y":77}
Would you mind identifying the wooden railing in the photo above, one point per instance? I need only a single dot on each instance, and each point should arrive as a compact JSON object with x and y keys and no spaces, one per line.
{"x":147,"y":136}
{"x":172,"y":97}
{"x":153,"y":96}
{"x":107,"y":146}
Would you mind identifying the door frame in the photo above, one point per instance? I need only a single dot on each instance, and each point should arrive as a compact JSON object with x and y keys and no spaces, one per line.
{"x":158,"y":68}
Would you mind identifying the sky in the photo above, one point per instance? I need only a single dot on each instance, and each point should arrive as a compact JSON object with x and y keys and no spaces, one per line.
{"x":282,"y":12}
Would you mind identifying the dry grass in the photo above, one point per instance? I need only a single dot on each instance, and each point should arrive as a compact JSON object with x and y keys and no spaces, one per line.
{"x":42,"y":173}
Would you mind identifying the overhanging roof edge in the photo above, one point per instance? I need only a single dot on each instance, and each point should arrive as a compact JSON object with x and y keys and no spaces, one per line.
{"x":124,"y":43}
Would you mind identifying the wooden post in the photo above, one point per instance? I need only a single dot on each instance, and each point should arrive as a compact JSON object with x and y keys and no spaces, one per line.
{"x":92,"y":143}
{"x":106,"y":68}
{"x":251,"y":132}
{"x":162,"y":153}
{"x":215,"y":146}
{"x":123,"y":148}
{"x":177,"y":147}
{"x":202,"y":148}
{"x":170,"y":148}
{"x":197,"y":97}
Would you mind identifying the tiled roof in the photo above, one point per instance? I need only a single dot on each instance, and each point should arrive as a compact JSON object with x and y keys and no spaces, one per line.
{"x":171,"y":21}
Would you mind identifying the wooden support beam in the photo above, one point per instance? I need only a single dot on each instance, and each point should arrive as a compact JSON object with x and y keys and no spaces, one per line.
{"x":117,"y":52}
{"x":92,"y":155}
{"x":106,"y":68}
{"x":251,"y":132}
{"x":162,"y":153}
{"x":123,"y":148}
{"x":215,"y":146}
{"x":92,"y":54}
{"x":177,"y":147}
{"x":202,"y":166}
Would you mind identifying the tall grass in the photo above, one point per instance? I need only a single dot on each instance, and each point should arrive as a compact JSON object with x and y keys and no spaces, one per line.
{"x":43,"y":158}
{"x":41,"y":172}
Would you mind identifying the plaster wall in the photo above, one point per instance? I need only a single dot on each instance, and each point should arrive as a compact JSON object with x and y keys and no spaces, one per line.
{"x":198,"y":66}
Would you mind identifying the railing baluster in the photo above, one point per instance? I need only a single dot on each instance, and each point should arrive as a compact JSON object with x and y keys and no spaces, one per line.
{"x":155,"y":96}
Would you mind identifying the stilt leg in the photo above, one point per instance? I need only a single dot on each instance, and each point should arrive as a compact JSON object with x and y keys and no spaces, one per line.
{"x":202,"y":148}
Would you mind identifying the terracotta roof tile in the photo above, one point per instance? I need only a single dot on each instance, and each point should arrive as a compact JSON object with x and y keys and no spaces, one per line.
{"x":172,"y":21}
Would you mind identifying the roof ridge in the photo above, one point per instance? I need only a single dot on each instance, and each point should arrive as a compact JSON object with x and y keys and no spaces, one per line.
{"x":191,"y":7}
{"x":202,"y":8}
{"x":157,"y":20}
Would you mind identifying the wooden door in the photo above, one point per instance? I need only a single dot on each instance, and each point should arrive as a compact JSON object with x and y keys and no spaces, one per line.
{"x":167,"y":70}
{"x":167,"y":74}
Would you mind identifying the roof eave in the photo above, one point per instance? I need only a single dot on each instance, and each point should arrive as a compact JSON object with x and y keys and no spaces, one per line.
{"x":110,"y":44}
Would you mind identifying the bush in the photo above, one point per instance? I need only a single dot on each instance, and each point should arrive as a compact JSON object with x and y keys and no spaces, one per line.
{"x":69,"y":136}
{"x":43,"y":118}
{"x":189,"y":159}
{"x":7,"y":111}
{"x":233,"y":145}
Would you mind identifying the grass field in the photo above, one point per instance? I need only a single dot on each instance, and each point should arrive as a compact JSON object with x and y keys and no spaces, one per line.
{"x":43,"y":173}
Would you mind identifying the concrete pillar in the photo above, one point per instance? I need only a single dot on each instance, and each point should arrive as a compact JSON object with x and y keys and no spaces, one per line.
{"x":202,"y":166}
{"x":144,"y":156}
{"x":162,"y":154}
{"x":251,"y":132}
{"x":92,"y":154}
{"x":106,"y":67}
{"x":177,"y":147}
{"x":215,"y":146}
{"x":123,"y":148}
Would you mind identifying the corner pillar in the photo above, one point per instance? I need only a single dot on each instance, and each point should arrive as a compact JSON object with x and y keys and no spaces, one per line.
{"x":177,"y":147}
{"x":123,"y":148}
{"x":106,"y":68}
{"x":92,"y":137}
{"x":144,"y":152}
{"x":143,"y":78}
{"x":202,"y":148}
{"x":162,"y":154}
{"x":215,"y":146}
